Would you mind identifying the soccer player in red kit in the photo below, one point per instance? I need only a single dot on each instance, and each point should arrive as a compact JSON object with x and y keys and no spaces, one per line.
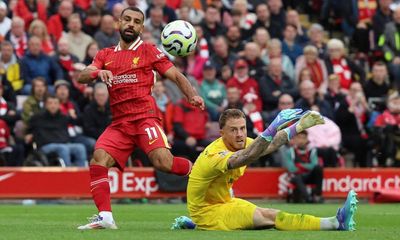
{"x":129,"y":71}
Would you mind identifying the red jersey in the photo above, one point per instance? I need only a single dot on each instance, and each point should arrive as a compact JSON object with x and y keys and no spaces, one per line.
{"x":249,"y":91}
{"x":133,"y":77}
{"x":4,"y":134}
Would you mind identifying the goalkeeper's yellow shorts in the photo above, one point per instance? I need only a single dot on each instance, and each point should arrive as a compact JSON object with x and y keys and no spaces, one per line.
{"x":234,"y":215}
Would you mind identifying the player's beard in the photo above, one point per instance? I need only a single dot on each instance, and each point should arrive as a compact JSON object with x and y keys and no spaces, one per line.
{"x":129,"y":38}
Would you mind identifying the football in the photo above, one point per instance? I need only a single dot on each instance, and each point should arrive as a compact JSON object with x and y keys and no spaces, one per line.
{"x":179,"y":38}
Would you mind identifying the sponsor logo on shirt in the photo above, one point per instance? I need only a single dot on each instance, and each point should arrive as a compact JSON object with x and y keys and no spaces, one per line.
{"x":126,"y":78}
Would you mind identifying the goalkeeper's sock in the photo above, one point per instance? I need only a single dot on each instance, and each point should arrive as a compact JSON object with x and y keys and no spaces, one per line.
{"x":330,"y":223}
{"x":288,"y":221}
{"x":100,"y":188}
{"x":181,"y":166}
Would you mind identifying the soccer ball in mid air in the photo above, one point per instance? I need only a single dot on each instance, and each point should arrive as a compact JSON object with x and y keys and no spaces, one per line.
{"x":179,"y":38}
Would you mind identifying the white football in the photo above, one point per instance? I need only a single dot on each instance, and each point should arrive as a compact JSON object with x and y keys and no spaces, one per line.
{"x":179,"y":38}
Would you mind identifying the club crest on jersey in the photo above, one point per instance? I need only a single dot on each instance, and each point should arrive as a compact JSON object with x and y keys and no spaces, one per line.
{"x":135,"y":62}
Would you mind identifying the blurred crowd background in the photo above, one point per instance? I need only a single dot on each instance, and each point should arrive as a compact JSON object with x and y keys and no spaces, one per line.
{"x":338,"y":57}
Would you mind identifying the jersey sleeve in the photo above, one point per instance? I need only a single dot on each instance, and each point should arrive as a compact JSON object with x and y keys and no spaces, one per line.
{"x":158,"y":60}
{"x":98,"y":60}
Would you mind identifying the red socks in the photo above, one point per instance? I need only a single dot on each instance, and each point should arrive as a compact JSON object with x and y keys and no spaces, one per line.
{"x":100,"y":188}
{"x":181,"y":166}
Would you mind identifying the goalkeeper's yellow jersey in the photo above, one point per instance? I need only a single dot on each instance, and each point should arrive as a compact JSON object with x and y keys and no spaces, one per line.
{"x":210,"y":180}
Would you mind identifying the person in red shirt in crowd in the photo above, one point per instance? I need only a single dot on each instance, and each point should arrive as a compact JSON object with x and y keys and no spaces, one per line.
{"x":249,"y":87}
{"x":30,"y":10}
{"x":190,"y":128}
{"x":128,"y":70}
{"x":57,"y":24}
{"x":389,"y":123}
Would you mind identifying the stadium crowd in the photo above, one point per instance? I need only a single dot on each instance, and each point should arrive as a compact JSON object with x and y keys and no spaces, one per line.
{"x":341,"y":58}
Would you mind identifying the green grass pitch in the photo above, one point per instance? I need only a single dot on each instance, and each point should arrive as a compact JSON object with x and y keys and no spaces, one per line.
{"x":152,"y":221}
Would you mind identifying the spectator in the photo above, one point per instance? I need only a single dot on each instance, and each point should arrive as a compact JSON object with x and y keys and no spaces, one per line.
{"x":6,"y":146}
{"x":211,"y":25}
{"x":341,"y":12}
{"x":78,"y":40}
{"x":57,"y":24}
{"x":92,"y":22}
{"x":351,"y":117}
{"x":70,"y":109}
{"x":264,"y":21}
{"x":212,"y":91}
{"x":155,"y":23}
{"x":35,"y":63}
{"x":293,"y":18}
{"x":383,"y":15}
{"x":249,"y":89}
{"x":168,"y":13}
{"x":389,"y":124}
{"x":166,"y":108}
{"x":334,"y":96}
{"x":5,"y":22}
{"x":234,"y":38}
{"x":97,"y":115}
{"x":273,"y":84}
{"x":10,"y":69}
{"x":49,"y":129}
{"x":39,"y":29}
{"x":190,"y":127}
{"x":339,"y":64}
{"x":328,"y":149}
{"x":247,"y":19}
{"x":101,"y":5}
{"x":390,"y":46}
{"x":261,"y":37}
{"x":107,"y":36}
{"x":316,"y":34}
{"x":221,"y":56}
{"x":35,"y":101}
{"x":7,"y":110}
{"x":17,"y":36}
{"x":30,"y":10}
{"x":275,"y":51}
{"x":91,"y":51}
{"x":377,"y":88}
{"x":252,"y":57}
{"x":302,"y":164}
{"x":309,"y":100}
{"x":189,"y":13}
{"x":65,"y":59}
{"x":141,"y":4}
{"x":278,"y":15}
{"x":290,"y":47}
{"x":285,"y":101}
{"x":316,"y":67}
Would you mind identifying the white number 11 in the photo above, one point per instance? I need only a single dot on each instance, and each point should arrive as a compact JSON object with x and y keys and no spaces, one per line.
{"x":152,"y":134}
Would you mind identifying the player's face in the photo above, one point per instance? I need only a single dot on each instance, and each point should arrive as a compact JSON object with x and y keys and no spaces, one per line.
{"x":130,"y":25}
{"x":234,"y":134}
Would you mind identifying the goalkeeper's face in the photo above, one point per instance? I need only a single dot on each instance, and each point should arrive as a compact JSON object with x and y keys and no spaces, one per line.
{"x":234,"y":134}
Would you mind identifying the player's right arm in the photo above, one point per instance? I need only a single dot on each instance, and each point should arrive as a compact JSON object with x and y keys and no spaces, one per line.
{"x":257,"y":149}
{"x":91,"y":73}
{"x":94,"y":70}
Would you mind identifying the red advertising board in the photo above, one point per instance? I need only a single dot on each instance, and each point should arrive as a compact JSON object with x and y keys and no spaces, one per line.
{"x":141,"y":182}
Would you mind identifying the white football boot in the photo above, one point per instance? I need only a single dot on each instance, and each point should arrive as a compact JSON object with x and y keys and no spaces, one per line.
{"x":97,"y":222}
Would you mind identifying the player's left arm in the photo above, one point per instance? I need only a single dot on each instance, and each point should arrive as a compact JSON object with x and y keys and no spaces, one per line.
{"x":184,"y":85}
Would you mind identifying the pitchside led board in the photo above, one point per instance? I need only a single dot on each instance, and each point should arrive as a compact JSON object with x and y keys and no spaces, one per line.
{"x":53,"y":182}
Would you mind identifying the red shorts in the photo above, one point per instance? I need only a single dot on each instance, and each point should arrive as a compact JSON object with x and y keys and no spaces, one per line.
{"x":120,"y":139}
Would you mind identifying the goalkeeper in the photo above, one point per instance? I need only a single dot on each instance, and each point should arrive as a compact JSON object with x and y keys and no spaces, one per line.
{"x":209,"y":201}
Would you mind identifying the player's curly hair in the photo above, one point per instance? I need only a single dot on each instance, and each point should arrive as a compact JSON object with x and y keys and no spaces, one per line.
{"x":228,"y":114}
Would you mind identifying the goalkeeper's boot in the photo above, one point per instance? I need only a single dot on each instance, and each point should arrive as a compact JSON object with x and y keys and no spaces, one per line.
{"x":97,"y":222}
{"x":183,"y":222}
{"x":345,"y":214}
